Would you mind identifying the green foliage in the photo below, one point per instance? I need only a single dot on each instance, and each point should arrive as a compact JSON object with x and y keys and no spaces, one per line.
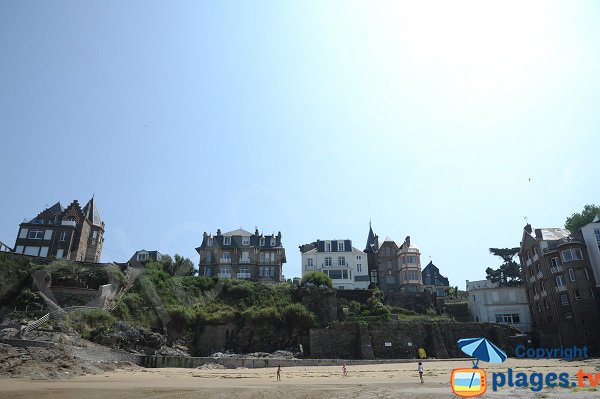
{"x":297,"y":316}
{"x":318,"y":279}
{"x":509,"y":272}
{"x":90,"y":323}
{"x":579,"y":219}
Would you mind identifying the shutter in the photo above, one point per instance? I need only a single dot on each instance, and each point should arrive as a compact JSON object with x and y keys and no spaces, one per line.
{"x":348,"y":245}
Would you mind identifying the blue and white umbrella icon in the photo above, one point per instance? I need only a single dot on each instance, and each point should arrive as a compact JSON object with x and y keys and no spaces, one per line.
{"x":482,"y":349}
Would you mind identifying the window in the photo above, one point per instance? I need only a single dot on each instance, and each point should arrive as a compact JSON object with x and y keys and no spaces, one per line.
{"x":245,"y":240}
{"x":560,"y":281}
{"x":597,"y":234}
{"x":209,"y":242}
{"x":508,"y":318}
{"x":327,"y":246}
{"x":341,"y":261}
{"x":555,"y":262}
{"x":570,"y":255}
{"x":564,"y":299}
{"x":358,"y":257}
{"x":572,"y":274}
{"x":576,"y":295}
{"x":142,"y":257}
{"x":225,"y":272}
{"x":244,"y":271}
{"x":208,"y":271}
{"x":63,"y":236}
{"x":410,"y":259}
{"x":226,"y":256}
{"x":35,"y":234}
{"x":59,"y":253}
{"x":226,"y":240}
{"x":310,"y":262}
{"x":328,"y":261}
{"x":262,"y":242}
{"x":208,"y":256}
{"x":273,"y":242}
{"x":412,"y":275}
{"x":340,"y":246}
{"x":387,"y":251}
{"x":338,"y":274}
{"x":358,"y":267}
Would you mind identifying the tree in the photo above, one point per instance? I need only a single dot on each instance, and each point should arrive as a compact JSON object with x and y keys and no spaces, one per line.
{"x":509,"y":272}
{"x":578,"y":220}
{"x":318,"y":279}
{"x":179,"y":267}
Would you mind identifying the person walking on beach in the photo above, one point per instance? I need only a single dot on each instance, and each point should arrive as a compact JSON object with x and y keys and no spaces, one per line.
{"x":344,"y":370}
{"x":279,"y":373}
{"x":421,"y":370}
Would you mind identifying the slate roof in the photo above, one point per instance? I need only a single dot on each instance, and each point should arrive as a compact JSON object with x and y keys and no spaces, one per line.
{"x":91,"y":213}
{"x":238,"y":232}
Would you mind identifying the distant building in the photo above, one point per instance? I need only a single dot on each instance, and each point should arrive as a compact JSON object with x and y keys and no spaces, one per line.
{"x":561,"y":289}
{"x":71,"y":233}
{"x":345,"y":265}
{"x":139,"y":258}
{"x":372,"y":249}
{"x":491,"y":304}
{"x":434,"y":281}
{"x":409,"y":260}
{"x":388,"y":270}
{"x":591,"y":236}
{"x":242,"y":255}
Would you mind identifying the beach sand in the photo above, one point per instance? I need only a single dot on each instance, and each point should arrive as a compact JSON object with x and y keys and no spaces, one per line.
{"x":366,"y":381}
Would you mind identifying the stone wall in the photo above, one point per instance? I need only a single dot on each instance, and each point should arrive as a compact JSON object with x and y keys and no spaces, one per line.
{"x":402,"y":339}
{"x":322,"y":302}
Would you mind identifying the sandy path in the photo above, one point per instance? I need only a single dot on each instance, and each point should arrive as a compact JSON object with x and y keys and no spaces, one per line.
{"x":364,"y":382}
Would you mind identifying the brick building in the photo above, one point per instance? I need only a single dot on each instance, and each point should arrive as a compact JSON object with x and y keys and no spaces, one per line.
{"x":71,"y":233}
{"x":388,"y":271}
{"x":242,"y":255}
{"x":560,"y":286}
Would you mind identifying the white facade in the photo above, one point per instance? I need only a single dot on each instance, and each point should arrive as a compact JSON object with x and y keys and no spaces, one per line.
{"x":347,"y":267}
{"x":591,"y":236}
{"x":491,"y":304}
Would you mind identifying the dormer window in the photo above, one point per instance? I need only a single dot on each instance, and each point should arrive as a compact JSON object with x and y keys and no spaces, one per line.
{"x":341,"y":246}
{"x":327,"y":246}
{"x":226,"y":240}
{"x":262,"y":242}
{"x":245,"y":240}
{"x":273,"y":241}
{"x":209,"y":242}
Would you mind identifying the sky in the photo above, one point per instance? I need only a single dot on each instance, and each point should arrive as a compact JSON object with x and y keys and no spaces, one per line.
{"x":449,"y":122}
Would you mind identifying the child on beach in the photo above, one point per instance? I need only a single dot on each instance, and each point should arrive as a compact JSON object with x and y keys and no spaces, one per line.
{"x":279,"y":373}
{"x":344,"y":370}
{"x":421,"y":369}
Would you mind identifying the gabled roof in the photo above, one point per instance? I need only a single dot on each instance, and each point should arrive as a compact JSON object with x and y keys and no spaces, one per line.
{"x":238,"y":232}
{"x":372,"y":241}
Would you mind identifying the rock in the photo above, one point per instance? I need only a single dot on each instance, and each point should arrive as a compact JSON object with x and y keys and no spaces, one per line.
{"x":9,"y":333}
{"x":211,"y":366}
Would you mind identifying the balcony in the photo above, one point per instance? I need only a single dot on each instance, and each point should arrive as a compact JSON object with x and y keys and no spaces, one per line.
{"x":561,"y":288}
{"x":536,"y":297}
{"x":539,"y":275}
{"x":244,"y":260}
{"x":556,"y":269}
{"x":244,"y":275}
{"x":225,"y":260}
{"x":224,"y":275}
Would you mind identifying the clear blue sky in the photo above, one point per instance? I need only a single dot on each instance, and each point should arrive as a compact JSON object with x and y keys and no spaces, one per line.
{"x":309,"y":117}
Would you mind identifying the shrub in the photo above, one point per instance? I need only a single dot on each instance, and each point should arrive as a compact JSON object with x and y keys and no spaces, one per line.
{"x":297,"y":316}
{"x":318,"y":279}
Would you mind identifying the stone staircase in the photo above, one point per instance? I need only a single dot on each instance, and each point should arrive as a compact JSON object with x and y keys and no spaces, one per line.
{"x":35,"y":324}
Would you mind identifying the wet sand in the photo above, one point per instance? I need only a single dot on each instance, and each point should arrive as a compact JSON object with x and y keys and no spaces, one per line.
{"x":368,"y":381}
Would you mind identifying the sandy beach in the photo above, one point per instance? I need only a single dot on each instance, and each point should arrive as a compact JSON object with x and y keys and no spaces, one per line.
{"x":368,"y":381}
